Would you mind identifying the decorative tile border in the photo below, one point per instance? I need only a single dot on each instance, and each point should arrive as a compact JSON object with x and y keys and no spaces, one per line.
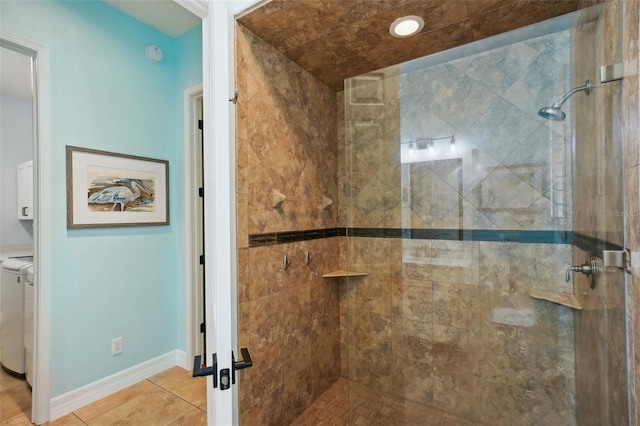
{"x":593,"y":245}
{"x":548,"y":237}
{"x":541,"y":237}
{"x":584,"y":242}
{"x":256,"y":240}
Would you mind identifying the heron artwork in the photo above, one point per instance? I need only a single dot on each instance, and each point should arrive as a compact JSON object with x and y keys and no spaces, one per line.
{"x":120,"y":195}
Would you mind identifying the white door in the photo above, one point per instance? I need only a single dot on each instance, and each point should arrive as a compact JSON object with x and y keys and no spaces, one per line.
{"x":219,"y":199}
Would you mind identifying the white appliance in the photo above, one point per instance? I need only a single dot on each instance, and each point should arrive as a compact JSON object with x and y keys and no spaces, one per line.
{"x":28,"y":324}
{"x":25,"y":190}
{"x":13,"y":274}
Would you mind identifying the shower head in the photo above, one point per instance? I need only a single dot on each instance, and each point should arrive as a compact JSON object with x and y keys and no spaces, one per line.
{"x":554,"y":112}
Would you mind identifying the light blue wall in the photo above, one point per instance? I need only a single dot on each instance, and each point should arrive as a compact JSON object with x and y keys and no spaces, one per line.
{"x":105,"y":94}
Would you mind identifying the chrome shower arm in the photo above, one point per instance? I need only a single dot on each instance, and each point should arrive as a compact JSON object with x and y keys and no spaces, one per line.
{"x":587,"y":88}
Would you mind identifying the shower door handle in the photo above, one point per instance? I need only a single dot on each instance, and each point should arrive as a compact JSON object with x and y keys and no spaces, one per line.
{"x":589,"y":268}
{"x":240,"y":365}
{"x":200,"y":371}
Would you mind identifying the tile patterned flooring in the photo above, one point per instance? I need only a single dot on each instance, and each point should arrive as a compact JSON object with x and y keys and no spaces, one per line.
{"x":170,"y":398}
{"x":174,"y":398}
{"x":372,"y":408}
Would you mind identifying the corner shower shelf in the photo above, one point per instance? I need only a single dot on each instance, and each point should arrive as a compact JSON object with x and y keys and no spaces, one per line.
{"x":565,"y":299}
{"x":342,"y":273}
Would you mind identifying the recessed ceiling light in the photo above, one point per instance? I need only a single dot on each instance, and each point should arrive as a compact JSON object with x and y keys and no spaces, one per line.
{"x":406,"y":26}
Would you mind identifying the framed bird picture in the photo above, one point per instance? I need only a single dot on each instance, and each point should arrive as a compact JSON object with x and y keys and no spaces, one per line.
{"x":107,"y":189}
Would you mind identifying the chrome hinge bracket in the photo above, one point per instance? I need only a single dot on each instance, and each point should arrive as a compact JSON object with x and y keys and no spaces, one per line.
{"x":611,"y":72}
{"x":235,"y":96}
{"x":617,"y":259}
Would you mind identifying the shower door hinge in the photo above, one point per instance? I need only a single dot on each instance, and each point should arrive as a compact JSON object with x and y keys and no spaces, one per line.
{"x":611,"y":72}
{"x":617,"y":259}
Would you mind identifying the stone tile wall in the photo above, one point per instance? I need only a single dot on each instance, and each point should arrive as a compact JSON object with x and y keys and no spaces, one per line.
{"x":451,"y":325}
{"x":601,"y":358}
{"x":289,"y":319}
{"x":512,"y":169}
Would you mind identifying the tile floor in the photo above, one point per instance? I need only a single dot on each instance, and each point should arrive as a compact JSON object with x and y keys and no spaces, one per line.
{"x":172,"y":397}
{"x":369,"y":408}
{"x":175,"y":398}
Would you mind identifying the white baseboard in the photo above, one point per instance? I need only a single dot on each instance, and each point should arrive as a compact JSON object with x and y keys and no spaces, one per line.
{"x":77,"y":398}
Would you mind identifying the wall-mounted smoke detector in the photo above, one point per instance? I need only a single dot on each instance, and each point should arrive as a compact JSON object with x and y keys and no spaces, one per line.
{"x":406,"y":26}
{"x":154,"y":53}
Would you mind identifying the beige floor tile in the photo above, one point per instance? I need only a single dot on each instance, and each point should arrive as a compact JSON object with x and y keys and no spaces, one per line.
{"x":195,"y":417}
{"x":156,"y":408}
{"x":15,"y":401}
{"x":68,"y":420}
{"x":114,"y":400}
{"x":191,"y":389}
{"x":168,"y":375}
{"x":8,"y":381}
{"x":19,"y":420}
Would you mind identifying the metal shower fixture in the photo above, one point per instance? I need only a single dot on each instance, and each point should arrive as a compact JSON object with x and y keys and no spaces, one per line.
{"x":554,"y":112}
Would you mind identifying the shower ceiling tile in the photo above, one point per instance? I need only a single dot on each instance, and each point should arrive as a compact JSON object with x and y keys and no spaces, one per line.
{"x":335,"y":40}
{"x":517,"y":15}
{"x":478,"y":7}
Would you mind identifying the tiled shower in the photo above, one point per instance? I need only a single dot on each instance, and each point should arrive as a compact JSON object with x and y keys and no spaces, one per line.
{"x":455,"y":203}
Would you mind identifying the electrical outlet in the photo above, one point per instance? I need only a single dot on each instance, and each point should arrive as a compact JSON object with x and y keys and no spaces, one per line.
{"x":116,"y":346}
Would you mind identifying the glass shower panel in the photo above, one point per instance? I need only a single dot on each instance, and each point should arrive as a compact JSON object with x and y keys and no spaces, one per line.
{"x":460,"y":211}
{"x":598,"y":222}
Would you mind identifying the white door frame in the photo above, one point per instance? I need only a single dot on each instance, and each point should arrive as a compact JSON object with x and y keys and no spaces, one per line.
{"x":193,"y":292}
{"x":42,"y":228}
{"x":219,"y":203}
{"x":220,"y":209}
{"x":219,"y":199}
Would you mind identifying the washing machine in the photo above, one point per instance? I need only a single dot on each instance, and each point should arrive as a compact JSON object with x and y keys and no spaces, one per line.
{"x":28,"y":324}
{"x":13,"y":274}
